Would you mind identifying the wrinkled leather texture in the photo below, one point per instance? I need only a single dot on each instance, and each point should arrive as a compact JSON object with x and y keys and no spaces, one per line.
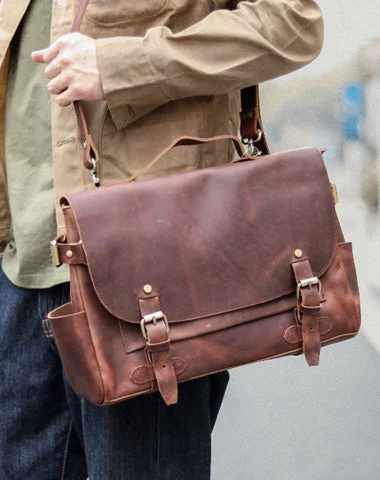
{"x":239,"y":224}
{"x":217,"y":246}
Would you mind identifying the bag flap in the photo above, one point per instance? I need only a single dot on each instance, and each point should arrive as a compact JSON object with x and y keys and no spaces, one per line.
{"x":208,"y":241}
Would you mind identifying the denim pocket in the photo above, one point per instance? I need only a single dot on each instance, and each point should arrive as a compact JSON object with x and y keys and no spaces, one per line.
{"x":49,"y":299}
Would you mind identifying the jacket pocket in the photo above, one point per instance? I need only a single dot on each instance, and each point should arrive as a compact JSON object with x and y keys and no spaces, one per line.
{"x":124,"y":152}
{"x":123,"y":12}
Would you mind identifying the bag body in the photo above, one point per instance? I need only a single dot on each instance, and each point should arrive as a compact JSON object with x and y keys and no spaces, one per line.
{"x":178,"y":277}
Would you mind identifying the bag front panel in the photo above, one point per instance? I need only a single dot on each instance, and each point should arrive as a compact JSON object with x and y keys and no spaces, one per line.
{"x":204,"y":346}
{"x":193,"y":228}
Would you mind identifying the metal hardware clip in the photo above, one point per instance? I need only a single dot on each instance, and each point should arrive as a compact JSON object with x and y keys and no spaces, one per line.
{"x":94,"y":174}
{"x":308,"y":282}
{"x":152,"y":318}
{"x":55,"y":253}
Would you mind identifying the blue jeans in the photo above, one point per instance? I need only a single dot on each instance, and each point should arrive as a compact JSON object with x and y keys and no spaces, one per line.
{"x":48,"y":433}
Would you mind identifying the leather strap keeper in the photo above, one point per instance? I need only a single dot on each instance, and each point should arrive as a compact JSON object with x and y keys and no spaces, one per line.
{"x":309,"y":307}
{"x":145,"y":373}
{"x":70,"y":253}
{"x":158,"y":349}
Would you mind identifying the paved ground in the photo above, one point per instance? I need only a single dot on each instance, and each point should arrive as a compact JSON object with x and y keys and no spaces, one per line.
{"x":284,"y":421}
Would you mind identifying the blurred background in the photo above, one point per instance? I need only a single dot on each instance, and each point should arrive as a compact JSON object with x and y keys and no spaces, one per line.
{"x":282,"y":420}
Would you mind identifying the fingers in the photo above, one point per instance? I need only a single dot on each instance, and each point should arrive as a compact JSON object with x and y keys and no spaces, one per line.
{"x":38,"y":56}
{"x":72,"y":69}
{"x":64,"y":100}
{"x":46,"y":55}
{"x":57,"y":57}
{"x":58,"y":84}
{"x":61,"y":86}
{"x":53,"y":70}
{"x":70,"y":94}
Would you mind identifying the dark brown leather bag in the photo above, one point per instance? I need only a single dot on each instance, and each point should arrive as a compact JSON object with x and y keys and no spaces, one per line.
{"x":179,"y":277}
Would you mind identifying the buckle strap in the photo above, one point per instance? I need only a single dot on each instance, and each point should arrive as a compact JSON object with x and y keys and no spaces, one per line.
{"x":64,"y":252}
{"x":158,"y":350}
{"x":158,"y":347}
{"x":145,"y":373}
{"x":309,"y":298}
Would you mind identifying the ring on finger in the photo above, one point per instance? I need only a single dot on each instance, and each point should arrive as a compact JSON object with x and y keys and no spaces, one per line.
{"x":52,"y":88}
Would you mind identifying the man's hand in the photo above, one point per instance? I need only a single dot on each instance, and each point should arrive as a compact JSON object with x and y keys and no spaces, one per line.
{"x":72,"y":69}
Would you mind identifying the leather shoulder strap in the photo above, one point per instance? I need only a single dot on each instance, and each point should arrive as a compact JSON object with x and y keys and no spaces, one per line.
{"x":251,"y":126}
{"x":79,"y":15}
{"x":90,"y":153}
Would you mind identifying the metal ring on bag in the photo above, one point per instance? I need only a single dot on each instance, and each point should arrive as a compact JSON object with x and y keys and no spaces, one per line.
{"x":259,"y":136}
{"x":257,"y":139}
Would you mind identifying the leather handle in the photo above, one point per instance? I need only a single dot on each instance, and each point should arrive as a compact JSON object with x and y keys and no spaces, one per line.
{"x":251,"y":125}
{"x":182,"y":141}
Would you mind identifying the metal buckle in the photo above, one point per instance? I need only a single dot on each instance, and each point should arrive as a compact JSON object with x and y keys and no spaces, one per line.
{"x":308,"y":282}
{"x":297,"y":315}
{"x":152,"y":318}
{"x":252,"y":150}
{"x":259,"y":136}
{"x":94,"y":174}
{"x":257,"y":139}
{"x":55,"y":253}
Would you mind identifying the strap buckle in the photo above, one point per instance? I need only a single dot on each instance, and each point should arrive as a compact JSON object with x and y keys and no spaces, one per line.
{"x":55,"y":253}
{"x":56,"y":259}
{"x":94,"y":173}
{"x":152,"y":318}
{"x":308,"y":282}
{"x":252,"y":150}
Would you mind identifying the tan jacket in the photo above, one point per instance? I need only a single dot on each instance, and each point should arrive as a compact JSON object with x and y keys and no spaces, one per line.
{"x":169,"y":68}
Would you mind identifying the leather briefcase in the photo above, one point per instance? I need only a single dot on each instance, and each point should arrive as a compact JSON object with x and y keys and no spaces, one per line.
{"x":178,"y":277}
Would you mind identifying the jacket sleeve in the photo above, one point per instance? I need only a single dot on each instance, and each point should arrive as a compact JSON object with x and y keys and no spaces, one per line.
{"x":227,"y":50}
